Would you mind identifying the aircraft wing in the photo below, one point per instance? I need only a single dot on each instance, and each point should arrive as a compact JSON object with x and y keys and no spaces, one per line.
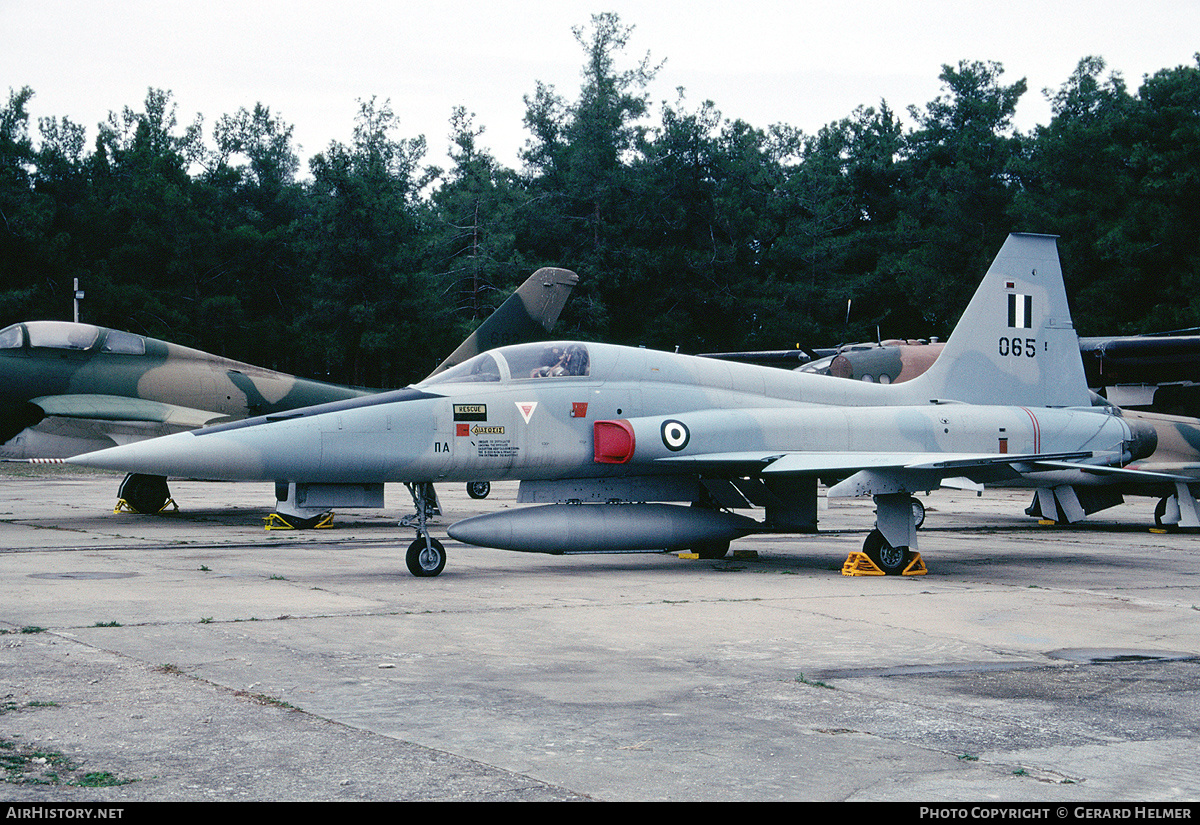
{"x":866,"y":473}
{"x":818,"y":463}
{"x":68,"y":425}
{"x":120,"y":408}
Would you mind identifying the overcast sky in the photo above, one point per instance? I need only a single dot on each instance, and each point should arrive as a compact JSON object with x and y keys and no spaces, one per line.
{"x":805,"y":63}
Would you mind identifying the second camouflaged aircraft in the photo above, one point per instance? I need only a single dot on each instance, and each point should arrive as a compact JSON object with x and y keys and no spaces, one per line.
{"x":70,"y":388}
{"x":594,"y":432}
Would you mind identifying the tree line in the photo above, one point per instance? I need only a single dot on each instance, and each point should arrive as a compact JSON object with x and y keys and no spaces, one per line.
{"x":693,"y":232}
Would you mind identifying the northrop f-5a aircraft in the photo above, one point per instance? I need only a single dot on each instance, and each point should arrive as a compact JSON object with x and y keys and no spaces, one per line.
{"x":609,"y":441}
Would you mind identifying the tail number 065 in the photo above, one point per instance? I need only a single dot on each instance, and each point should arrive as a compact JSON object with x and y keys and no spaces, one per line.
{"x":1018,"y":347}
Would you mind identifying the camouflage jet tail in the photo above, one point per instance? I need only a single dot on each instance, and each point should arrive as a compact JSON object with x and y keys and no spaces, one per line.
{"x":1015,"y":344}
{"x":533,"y":308}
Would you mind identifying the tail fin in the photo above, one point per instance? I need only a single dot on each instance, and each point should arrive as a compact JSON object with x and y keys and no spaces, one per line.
{"x":1015,"y":343}
{"x":529,"y":311}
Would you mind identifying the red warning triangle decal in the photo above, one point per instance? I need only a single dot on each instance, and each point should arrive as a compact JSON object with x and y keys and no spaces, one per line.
{"x":526,"y":408}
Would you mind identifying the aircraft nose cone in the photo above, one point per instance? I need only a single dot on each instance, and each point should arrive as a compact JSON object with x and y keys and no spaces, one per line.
{"x":181,"y":455}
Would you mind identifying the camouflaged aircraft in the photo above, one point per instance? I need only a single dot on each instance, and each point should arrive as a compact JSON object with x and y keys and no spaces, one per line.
{"x":69,"y":388}
{"x":607,"y":441}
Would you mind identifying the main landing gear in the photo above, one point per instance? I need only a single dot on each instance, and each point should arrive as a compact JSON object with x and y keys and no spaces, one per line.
{"x":1182,"y":509}
{"x":891,"y":548}
{"x":891,"y":560}
{"x":426,"y":556}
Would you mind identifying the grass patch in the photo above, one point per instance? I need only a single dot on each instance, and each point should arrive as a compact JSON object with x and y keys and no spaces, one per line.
{"x":26,"y":765}
{"x":264,"y":699}
{"x":812,"y":683}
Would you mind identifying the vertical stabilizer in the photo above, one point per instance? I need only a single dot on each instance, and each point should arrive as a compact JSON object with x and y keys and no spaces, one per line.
{"x":1015,"y":343}
{"x":530,"y":311}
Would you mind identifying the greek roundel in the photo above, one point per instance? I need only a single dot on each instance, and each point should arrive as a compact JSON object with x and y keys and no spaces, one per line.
{"x":675,"y":435}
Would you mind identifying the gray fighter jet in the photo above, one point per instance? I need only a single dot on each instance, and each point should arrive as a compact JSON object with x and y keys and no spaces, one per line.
{"x":69,"y":388}
{"x":608,"y":440}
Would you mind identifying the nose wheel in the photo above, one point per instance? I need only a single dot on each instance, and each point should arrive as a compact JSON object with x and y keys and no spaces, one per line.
{"x":426,"y":557}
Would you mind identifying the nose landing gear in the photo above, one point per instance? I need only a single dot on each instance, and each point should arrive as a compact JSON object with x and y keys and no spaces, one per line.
{"x":426,"y":556}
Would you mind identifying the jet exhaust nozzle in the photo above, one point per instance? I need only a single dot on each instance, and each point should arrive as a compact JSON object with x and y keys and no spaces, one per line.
{"x":1143,"y":439}
{"x":560,"y":529}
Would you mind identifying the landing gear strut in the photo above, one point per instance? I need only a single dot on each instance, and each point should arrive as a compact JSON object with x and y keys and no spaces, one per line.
{"x":1182,"y":509}
{"x":425,"y":557}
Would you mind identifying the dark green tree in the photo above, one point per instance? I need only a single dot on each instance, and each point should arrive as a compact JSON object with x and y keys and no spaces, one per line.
{"x":258,"y":207}
{"x":956,"y":188}
{"x":368,"y":313}
{"x":25,"y":284}
{"x":473,"y":243}
{"x":578,"y":161}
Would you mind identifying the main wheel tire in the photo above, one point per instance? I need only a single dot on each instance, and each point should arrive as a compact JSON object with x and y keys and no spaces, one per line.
{"x":423,"y":560}
{"x":891,"y":560}
{"x":301,"y":523}
{"x":711,"y":549}
{"x":144,"y":493}
{"x":918,"y":511}
{"x":1160,"y":512}
{"x":479,"y":489}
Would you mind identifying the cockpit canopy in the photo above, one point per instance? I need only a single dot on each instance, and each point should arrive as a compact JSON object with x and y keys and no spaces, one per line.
{"x":524,"y":362}
{"x":70,"y":336}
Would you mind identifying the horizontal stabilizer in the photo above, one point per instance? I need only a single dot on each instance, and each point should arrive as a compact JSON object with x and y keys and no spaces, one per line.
{"x":1120,"y":473}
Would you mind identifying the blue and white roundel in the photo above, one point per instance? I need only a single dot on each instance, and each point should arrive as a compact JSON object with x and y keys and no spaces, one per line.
{"x":675,"y":435}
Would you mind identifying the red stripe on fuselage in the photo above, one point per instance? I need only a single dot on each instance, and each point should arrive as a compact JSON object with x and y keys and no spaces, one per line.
{"x":1037,"y":430}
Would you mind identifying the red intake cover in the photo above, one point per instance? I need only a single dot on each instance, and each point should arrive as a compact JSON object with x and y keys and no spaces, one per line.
{"x":613,"y":442}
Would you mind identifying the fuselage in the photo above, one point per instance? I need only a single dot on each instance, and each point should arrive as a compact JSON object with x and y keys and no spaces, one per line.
{"x":530,"y":412}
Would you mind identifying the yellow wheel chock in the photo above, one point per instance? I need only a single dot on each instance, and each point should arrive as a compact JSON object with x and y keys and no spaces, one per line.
{"x":859,"y":564}
{"x":124,"y":506}
{"x":274,"y":521}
